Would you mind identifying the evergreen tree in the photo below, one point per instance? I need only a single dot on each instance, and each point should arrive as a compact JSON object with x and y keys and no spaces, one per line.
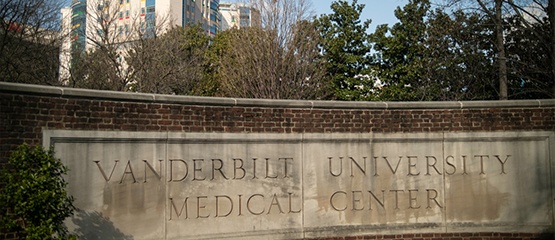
{"x":346,"y":51}
{"x":400,"y":52}
{"x":432,"y":55}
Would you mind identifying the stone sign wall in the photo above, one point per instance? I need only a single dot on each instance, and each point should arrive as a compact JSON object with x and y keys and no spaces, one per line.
{"x":166,"y":167}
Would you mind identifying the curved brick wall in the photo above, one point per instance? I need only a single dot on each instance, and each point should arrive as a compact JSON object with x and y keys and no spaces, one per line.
{"x":27,"y":110}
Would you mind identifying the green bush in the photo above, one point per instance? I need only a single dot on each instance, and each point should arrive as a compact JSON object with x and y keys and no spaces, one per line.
{"x":33,"y":200}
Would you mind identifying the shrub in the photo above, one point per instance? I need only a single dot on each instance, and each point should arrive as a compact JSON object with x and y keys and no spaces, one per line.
{"x":33,"y":200}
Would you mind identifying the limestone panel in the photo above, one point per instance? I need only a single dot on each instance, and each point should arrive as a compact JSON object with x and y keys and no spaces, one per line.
{"x":499,"y":180}
{"x":145,"y":185}
{"x":244,"y":186}
{"x":370,"y":183}
{"x":118,"y":187}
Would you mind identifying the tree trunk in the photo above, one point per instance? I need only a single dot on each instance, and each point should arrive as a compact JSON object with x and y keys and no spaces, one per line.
{"x":501,"y":57}
{"x":551,"y":9}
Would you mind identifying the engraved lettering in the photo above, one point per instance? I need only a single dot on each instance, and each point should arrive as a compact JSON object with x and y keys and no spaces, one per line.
{"x":268,"y":170}
{"x":432,"y":165}
{"x":389,"y":164}
{"x":413,"y":199}
{"x":128,"y":170}
{"x":502,"y":163}
{"x":183,"y":207}
{"x":102,"y":170}
{"x":157,"y":174}
{"x":254,"y":168}
{"x":274,"y":202}
{"x":291,"y":205}
{"x":357,"y":201}
{"x":219,"y":168}
{"x":362,"y":169}
{"x":340,"y":167}
{"x":240,"y":205}
{"x":396,"y":197}
{"x":450,"y":164}
{"x":464,"y":165}
{"x":285,"y":170}
{"x":171,"y":170}
{"x":249,"y":204}
{"x":377,"y":200}
{"x":238,"y":167}
{"x":412,"y":166}
{"x":432,"y":196}
{"x":332,"y":204}
{"x":197,"y":169}
{"x":376,"y":167}
{"x":201,"y":206}
{"x":218,"y":197}
{"x":481,"y":162}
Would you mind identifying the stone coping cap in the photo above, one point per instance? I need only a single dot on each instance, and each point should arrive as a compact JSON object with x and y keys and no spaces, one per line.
{"x":243,"y":102}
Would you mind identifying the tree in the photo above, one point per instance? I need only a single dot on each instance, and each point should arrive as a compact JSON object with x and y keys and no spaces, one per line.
{"x":528,"y":60}
{"x":170,"y":64}
{"x":29,"y":41}
{"x":551,"y":39}
{"x":458,"y":53}
{"x":33,"y":201}
{"x":276,"y":58}
{"x":98,"y":63}
{"x":497,"y":15}
{"x":433,"y":55}
{"x":400,"y":53}
{"x":109,"y":38}
{"x":526,"y":13}
{"x":346,"y":51}
{"x":535,"y":16}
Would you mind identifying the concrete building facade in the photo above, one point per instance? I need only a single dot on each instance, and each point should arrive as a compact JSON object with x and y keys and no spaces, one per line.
{"x":91,"y":23}
{"x":238,"y":15}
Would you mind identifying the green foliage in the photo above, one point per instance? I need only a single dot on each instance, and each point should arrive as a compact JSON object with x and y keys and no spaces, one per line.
{"x":459,"y":53}
{"x":34,"y":202}
{"x":172,"y":63}
{"x":99,"y":69}
{"x":529,"y":61}
{"x":432,"y":55}
{"x":346,"y":50}
{"x":400,"y":51}
{"x":251,"y":63}
{"x":214,"y":62}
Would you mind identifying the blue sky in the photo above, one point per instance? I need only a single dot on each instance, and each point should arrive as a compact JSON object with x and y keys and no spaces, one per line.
{"x":380,"y":11}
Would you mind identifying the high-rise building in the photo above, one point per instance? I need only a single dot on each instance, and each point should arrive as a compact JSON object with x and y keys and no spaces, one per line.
{"x":88,"y":17}
{"x":238,"y":15}
{"x":92,"y":22}
{"x":212,"y":17}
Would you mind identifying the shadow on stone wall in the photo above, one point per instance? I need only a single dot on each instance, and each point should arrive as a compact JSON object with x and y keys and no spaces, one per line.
{"x":92,"y":226}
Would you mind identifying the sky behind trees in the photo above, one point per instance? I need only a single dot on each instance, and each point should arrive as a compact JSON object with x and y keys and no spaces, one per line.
{"x":380,"y":11}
